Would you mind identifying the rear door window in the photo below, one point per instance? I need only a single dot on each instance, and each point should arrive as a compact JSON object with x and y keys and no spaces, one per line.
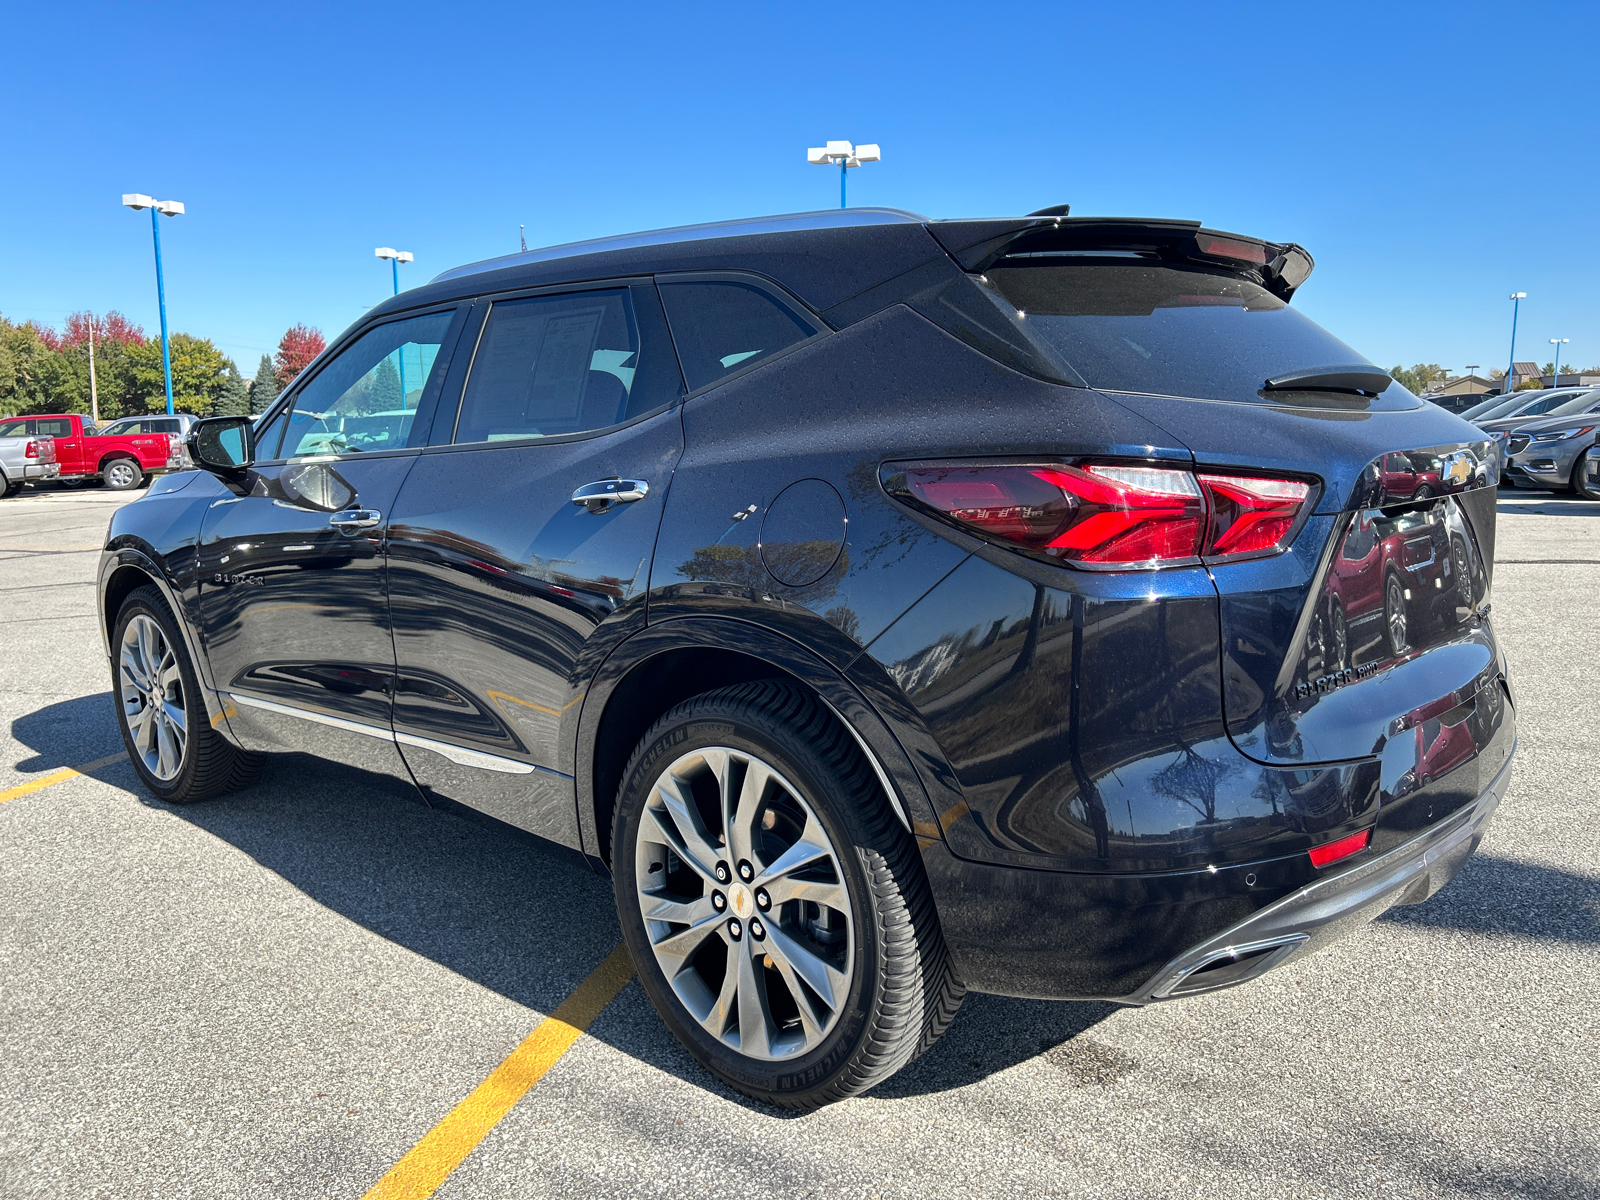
{"x":14,"y":428}
{"x":548,"y":366}
{"x":722,"y":325}
{"x":55,"y":427}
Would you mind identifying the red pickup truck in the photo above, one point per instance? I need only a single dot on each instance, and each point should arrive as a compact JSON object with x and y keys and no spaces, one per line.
{"x":121,"y":455}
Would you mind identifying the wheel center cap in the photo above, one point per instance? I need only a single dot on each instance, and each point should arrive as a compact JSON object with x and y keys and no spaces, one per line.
{"x":740,"y":900}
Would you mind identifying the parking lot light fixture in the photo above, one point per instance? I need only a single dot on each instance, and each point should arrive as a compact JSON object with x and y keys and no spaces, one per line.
{"x":1511,"y":368}
{"x":158,"y":209}
{"x":846,"y":156}
{"x":1555,"y":375}
{"x":395,"y":257}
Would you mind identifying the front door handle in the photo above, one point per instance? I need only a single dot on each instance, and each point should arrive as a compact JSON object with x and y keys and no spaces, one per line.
{"x":355,"y":518}
{"x":603,"y":493}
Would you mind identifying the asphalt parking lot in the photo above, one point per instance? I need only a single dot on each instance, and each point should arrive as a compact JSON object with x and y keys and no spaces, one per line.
{"x":280,"y":993}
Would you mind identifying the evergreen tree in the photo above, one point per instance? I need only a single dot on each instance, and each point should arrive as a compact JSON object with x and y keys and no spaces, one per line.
{"x":265,"y":388}
{"x":384,"y":394}
{"x":234,"y":398}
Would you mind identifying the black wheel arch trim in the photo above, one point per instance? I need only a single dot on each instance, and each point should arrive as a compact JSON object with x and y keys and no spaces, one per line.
{"x":889,"y":760}
{"x":148,"y":562}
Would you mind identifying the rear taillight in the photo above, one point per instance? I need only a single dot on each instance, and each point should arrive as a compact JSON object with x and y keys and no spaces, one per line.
{"x":1331,"y":852}
{"x":1111,"y":515}
{"x":32,"y":450}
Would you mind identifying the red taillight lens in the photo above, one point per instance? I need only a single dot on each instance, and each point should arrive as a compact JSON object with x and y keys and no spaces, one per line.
{"x":1332,"y":852}
{"x":1114,"y":514}
{"x":1099,"y":514}
{"x":1249,"y":514}
{"x":31,"y":451}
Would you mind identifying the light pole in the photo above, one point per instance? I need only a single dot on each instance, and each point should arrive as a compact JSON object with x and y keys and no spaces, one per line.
{"x":1516,"y":303}
{"x":396,"y":257}
{"x":159,"y":209}
{"x":846,"y":156}
{"x":1555,"y":378}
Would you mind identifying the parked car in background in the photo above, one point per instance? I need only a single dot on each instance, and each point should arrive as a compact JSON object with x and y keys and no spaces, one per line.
{"x":122,"y":461}
{"x":1493,"y":406}
{"x":25,"y":460}
{"x":891,"y":607}
{"x":1548,"y":453}
{"x":1502,"y":430}
{"x":178,"y":423}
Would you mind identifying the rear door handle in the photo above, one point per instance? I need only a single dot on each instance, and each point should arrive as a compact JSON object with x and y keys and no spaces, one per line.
{"x":603,"y":493}
{"x":356,"y":518}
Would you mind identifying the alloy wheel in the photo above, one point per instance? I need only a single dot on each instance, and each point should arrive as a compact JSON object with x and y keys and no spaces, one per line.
{"x":744,"y":903}
{"x":1394,"y":604}
{"x":119,"y":475}
{"x":150,"y":684}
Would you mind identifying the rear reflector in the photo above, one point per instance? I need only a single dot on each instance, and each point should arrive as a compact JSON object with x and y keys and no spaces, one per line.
{"x":1111,"y":515}
{"x":1332,"y":852}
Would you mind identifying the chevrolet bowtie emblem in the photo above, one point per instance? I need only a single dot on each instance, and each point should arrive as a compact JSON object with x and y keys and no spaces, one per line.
{"x":1459,"y":468}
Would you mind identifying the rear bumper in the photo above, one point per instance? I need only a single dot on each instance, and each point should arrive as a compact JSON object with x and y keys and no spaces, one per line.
{"x":1322,"y":912}
{"x":41,"y":471}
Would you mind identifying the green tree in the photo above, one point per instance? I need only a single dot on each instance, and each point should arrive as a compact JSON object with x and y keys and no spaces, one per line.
{"x":233,"y":400}
{"x":1418,"y":378}
{"x":264,"y":390}
{"x":383,"y":393}
{"x":23,"y":369}
{"x":197,"y":374}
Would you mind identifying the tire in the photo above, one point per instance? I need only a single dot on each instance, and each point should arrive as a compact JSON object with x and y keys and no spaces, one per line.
{"x":1396,"y":620}
{"x":122,"y":474}
{"x":1338,"y":636}
{"x":858,"y":923}
{"x":177,"y":754}
{"x":1580,"y":485}
{"x":6,"y":487}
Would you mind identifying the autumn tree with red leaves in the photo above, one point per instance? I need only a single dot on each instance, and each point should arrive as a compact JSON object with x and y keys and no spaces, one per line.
{"x":113,"y":327}
{"x":299,"y":345}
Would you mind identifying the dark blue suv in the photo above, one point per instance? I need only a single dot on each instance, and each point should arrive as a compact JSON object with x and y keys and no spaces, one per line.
{"x":890,"y":606}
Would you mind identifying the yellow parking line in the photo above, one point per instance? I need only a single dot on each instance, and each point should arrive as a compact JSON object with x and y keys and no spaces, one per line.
{"x":429,"y":1163}
{"x":61,"y":776}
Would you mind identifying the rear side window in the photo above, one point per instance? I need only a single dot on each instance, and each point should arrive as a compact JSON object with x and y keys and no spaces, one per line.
{"x":553,"y":365}
{"x":720,"y":326}
{"x":366,"y":397}
{"x":1137,"y":325}
{"x":59,"y":427}
{"x":13,"y":428}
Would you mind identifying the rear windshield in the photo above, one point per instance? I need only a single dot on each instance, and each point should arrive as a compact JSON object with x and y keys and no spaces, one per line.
{"x":1137,"y":325}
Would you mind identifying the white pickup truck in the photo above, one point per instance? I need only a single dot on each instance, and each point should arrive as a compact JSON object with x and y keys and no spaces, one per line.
{"x":26,"y":460}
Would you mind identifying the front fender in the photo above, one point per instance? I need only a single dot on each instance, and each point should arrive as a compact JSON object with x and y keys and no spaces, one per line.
{"x":125,"y":555}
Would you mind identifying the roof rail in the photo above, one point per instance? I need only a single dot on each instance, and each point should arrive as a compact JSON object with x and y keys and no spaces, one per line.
{"x":836,"y":218}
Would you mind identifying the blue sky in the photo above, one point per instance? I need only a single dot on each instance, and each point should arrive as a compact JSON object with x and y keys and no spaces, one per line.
{"x":1431,"y":157}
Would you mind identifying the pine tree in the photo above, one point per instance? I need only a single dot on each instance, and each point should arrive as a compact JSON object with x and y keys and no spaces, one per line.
{"x":265,"y":388}
{"x":234,"y":398}
{"x":384,"y":395}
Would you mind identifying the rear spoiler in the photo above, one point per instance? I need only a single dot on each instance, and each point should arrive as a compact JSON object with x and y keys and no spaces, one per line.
{"x":977,"y":245}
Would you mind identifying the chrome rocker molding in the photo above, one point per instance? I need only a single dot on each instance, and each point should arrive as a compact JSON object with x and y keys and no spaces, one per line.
{"x":1325,"y":911}
{"x":456,"y":754}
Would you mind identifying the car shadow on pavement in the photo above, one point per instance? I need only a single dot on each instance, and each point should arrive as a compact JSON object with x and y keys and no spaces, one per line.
{"x":1505,"y":898}
{"x":521,"y":917}
{"x":68,"y":734}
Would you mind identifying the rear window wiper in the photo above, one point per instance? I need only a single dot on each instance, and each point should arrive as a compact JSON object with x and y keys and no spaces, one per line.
{"x":1362,"y":377}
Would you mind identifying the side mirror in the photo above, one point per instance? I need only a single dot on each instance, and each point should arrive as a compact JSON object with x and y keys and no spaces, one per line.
{"x":224,"y":445}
